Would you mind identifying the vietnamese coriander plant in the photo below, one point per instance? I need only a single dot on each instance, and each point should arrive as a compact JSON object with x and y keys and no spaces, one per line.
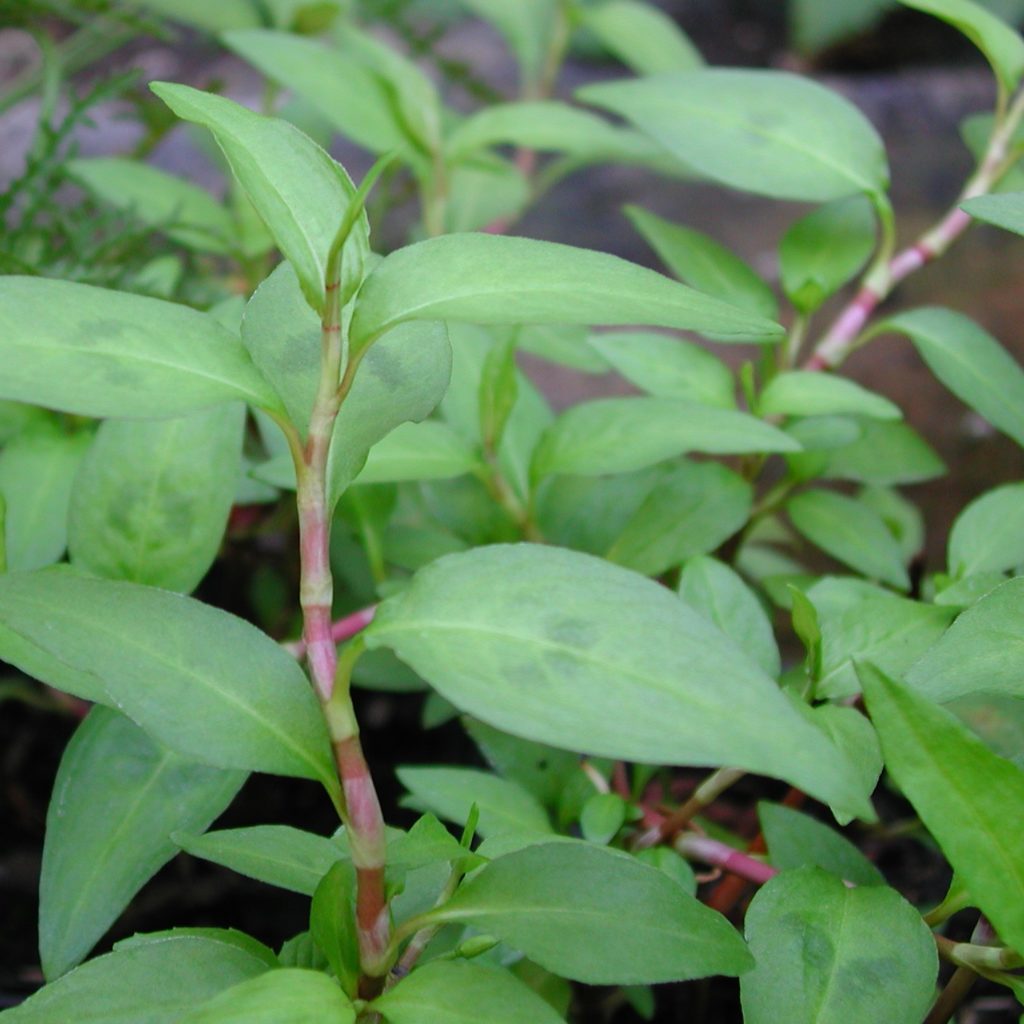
{"x":596,"y":604}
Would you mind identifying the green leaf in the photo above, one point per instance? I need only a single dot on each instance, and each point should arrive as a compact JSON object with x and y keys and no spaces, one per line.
{"x":617,"y":435}
{"x":484,"y":190}
{"x":228,"y":936}
{"x":804,"y":393}
{"x":815,"y":26}
{"x":596,"y":915}
{"x":206,"y":684}
{"x":704,"y":264}
{"x":332,"y":923}
{"x":644,"y":38}
{"x":602,"y":817}
{"x":887,"y":452}
{"x":668,"y":367}
{"x":148,"y":983}
{"x":851,"y":533}
{"x":694,"y":509}
{"x":526,"y":27}
{"x":1005,"y":211}
{"x":498,"y":392}
{"x":210,"y":17}
{"x":970,"y":362}
{"x":971,"y":800}
{"x":504,"y":805}
{"x":988,"y":536}
{"x":418,"y":451}
{"x":816,"y":942}
{"x":983,"y":650}
{"x":299,"y":191}
{"x":492,"y":279}
{"x":98,"y":352}
{"x":288,"y":995}
{"x":459,"y":992}
{"x":187,"y":214}
{"x":427,"y":842}
{"x":584,"y":655}
{"x":279,"y":855}
{"x":565,"y":344}
{"x":117,"y":797}
{"x":797,"y":840}
{"x":1002,"y":46}
{"x":720,"y":595}
{"x":151,"y":500}
{"x":37,"y":470}
{"x":767,"y":132}
{"x":824,"y":250}
{"x":903,"y":518}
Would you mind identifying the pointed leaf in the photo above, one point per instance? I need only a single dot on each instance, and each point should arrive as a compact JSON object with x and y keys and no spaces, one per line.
{"x":98,"y":352}
{"x":971,"y":800}
{"x":767,"y":132}
{"x":886,"y":452}
{"x":988,"y":536}
{"x":1005,"y":211}
{"x":804,"y":393}
{"x":642,"y":37}
{"x":117,"y":797}
{"x":491,"y":279}
{"x":586,"y":656}
{"x":288,"y":995}
{"x":332,"y":923}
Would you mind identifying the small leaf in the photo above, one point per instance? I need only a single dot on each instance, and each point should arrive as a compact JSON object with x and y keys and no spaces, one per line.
{"x":720,"y":595}
{"x":644,"y":38}
{"x":704,"y":264}
{"x":849,"y":532}
{"x":584,"y":655}
{"x":98,"y":352}
{"x":668,"y":367}
{"x":617,"y":435}
{"x":491,"y":279}
{"x":276,"y":854}
{"x":499,"y":389}
{"x":206,"y":684}
{"x":458,"y":992}
{"x":815,"y":942}
{"x":427,"y":842}
{"x":418,"y":451}
{"x":988,"y":536}
{"x":970,"y":362}
{"x":602,"y":817}
{"x":504,"y":806}
{"x":299,"y":191}
{"x":803,"y":393}
{"x":767,"y":132}
{"x":886,"y":453}
{"x":186,"y":213}
{"x":1002,"y":46}
{"x":288,"y":995}
{"x":117,"y":797}
{"x":151,"y":500}
{"x":824,"y":250}
{"x":332,"y":923}
{"x":1005,"y":211}
{"x":970,"y":800}
{"x":815,"y":26}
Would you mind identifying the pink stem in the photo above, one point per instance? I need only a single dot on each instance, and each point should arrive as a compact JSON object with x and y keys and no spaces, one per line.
{"x":340,"y":631}
{"x":721,"y":855}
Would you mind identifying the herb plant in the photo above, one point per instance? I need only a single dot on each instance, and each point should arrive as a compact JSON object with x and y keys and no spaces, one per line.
{"x":596,"y":603}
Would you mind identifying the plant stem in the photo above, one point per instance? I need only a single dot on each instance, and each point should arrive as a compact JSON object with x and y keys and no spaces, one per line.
{"x":845,"y":332}
{"x":341,"y":630}
{"x":961,"y":981}
{"x":706,"y":793}
{"x":721,"y":855}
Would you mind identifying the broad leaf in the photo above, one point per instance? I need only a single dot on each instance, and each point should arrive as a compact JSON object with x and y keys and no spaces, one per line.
{"x":816,"y":941}
{"x":981,"y":651}
{"x":146,"y":983}
{"x":1005,"y":211}
{"x":825,"y":249}
{"x":988,"y":536}
{"x":641,"y":36}
{"x":186,"y":213}
{"x":767,"y":132}
{"x":503,"y":805}
{"x":851,"y":533}
{"x":970,"y":362}
{"x":459,"y":992}
{"x":98,"y":352}
{"x":597,"y":916}
{"x":668,"y":367}
{"x":704,"y":264}
{"x":288,"y":995}
{"x":276,"y":854}
{"x":152,"y":498}
{"x":299,"y":191}
{"x":208,"y":685}
{"x":617,"y":435}
{"x":37,"y":470}
{"x":586,"y":656}
{"x":491,"y":279}
{"x":720,"y":595}
{"x":1002,"y":45}
{"x":418,"y":451}
{"x":971,"y":800}
{"x":117,"y":797}
{"x":803,"y":393}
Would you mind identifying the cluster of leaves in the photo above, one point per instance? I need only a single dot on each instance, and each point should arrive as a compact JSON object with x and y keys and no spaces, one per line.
{"x":596,"y":602}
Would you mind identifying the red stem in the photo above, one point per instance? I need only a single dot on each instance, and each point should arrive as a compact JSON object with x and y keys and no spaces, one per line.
{"x":721,"y":855}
